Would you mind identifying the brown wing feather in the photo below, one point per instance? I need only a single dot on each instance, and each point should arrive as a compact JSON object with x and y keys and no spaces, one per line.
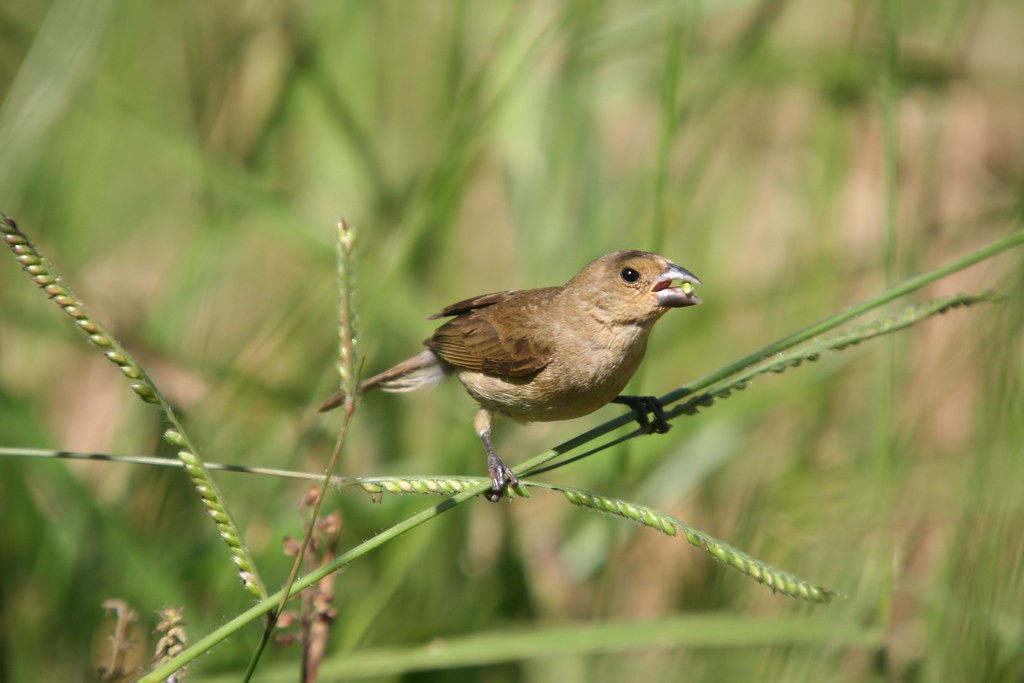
{"x":473,"y":303}
{"x":471,"y":341}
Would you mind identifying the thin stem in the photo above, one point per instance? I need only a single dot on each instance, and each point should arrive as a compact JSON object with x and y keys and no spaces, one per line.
{"x":266,"y":605}
{"x":47,"y":278}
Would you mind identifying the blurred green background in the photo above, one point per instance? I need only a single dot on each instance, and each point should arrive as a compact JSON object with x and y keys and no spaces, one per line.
{"x":183,"y":166}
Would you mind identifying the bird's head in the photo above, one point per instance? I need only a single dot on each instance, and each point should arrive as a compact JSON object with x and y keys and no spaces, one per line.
{"x":635,"y":287}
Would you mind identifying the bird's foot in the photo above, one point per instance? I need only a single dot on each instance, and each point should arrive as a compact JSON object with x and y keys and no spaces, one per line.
{"x":642,"y":405}
{"x":502,"y":478}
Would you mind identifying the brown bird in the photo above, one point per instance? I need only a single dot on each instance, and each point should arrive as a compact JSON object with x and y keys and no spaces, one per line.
{"x":554,"y":353}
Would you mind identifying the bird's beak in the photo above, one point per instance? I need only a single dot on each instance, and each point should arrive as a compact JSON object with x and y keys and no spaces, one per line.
{"x":679,"y":295}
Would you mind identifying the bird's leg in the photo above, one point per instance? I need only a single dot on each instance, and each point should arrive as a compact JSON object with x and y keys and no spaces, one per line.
{"x":501,"y":476}
{"x":642,"y":405}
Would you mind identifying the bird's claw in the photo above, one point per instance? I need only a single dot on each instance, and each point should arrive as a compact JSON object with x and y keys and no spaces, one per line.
{"x":642,"y":405}
{"x":502,"y":477}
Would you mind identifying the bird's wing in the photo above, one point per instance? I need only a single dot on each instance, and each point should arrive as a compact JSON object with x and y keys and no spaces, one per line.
{"x":472,"y":341}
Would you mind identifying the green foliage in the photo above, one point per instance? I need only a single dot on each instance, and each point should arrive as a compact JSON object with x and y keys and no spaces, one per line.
{"x":183,"y":165}
{"x":43,"y":274}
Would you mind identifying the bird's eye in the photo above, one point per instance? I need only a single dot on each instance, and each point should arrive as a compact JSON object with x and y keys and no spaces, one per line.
{"x":630,"y":274}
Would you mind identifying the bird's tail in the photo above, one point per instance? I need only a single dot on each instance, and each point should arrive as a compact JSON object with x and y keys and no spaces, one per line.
{"x":422,"y":370}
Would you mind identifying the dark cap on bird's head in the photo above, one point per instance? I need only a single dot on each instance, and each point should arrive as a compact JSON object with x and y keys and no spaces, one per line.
{"x":636,"y":285}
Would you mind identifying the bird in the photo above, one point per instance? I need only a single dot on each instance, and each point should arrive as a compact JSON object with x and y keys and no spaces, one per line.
{"x":547,"y":354}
